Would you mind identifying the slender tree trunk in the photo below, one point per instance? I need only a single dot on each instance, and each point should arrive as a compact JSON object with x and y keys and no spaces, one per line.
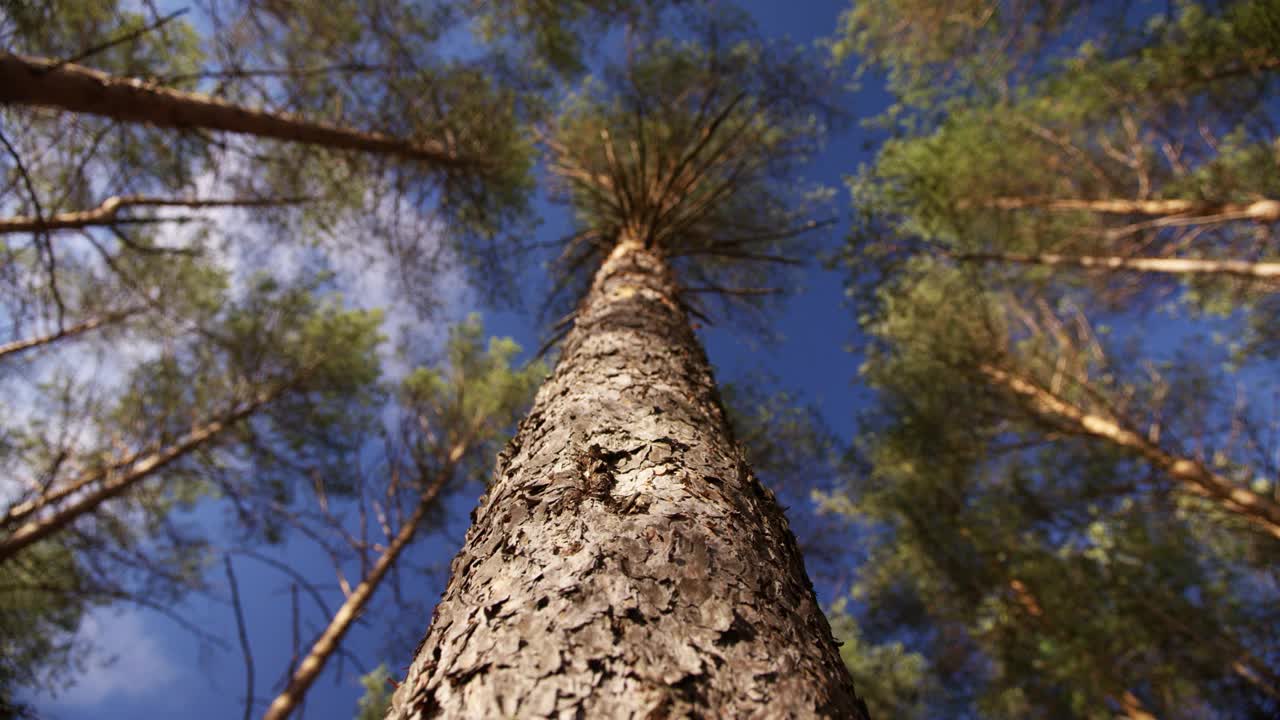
{"x":107,"y":212}
{"x":93,"y":323}
{"x":1265,"y":210}
{"x":625,"y":562}
{"x":23,"y":510}
{"x":1246,"y":670}
{"x":1169,"y":266}
{"x":42,"y":82}
{"x":114,"y":481}
{"x":1192,"y":476}
{"x":1133,"y":707}
{"x":289,"y":699}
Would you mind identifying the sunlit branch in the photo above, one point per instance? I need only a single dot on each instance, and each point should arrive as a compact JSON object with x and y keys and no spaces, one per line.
{"x":108,"y":212}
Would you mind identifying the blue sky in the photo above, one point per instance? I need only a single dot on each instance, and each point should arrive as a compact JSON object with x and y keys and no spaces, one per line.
{"x":158,"y":669}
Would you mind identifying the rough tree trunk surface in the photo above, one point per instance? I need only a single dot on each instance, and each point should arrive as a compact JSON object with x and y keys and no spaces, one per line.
{"x":626,"y":563}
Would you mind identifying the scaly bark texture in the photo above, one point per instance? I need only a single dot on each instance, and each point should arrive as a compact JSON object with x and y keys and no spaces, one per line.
{"x":625,"y":562}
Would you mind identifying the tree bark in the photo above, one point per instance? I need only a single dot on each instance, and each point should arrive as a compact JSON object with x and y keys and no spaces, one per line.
{"x":1168,"y":266}
{"x":42,"y":82}
{"x":107,"y":212}
{"x":1192,"y":476}
{"x":1265,"y":210}
{"x":289,"y":699}
{"x":625,"y":562}
{"x":115,"y":480}
{"x":93,"y":323}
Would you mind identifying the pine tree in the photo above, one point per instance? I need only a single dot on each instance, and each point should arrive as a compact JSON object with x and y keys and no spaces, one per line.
{"x":231,"y":407}
{"x":625,"y":560}
{"x":1062,"y":480}
{"x":1022,"y":538}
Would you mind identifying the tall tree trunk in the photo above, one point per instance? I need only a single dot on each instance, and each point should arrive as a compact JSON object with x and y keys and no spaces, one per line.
{"x":115,"y":480}
{"x":625,"y":562}
{"x":1265,"y":210}
{"x":107,"y":212}
{"x":1168,"y":266}
{"x":84,"y":326}
{"x":47,"y":83}
{"x":1192,"y":476}
{"x":324,"y":647}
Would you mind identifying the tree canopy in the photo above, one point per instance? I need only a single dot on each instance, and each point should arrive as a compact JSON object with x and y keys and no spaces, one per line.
{"x":1063,"y":262}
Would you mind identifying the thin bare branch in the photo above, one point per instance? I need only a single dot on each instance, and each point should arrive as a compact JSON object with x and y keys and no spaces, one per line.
{"x":243,"y":634}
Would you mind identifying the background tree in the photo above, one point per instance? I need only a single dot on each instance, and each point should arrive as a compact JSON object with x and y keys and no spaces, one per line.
{"x":1041,"y":548}
{"x":1056,"y":484}
{"x":232,"y":407}
{"x":257,"y":115}
{"x":344,"y":132}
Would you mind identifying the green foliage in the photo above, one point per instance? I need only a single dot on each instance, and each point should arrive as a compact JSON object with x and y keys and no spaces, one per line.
{"x":67,"y":28}
{"x":471,"y":405}
{"x":380,"y":67}
{"x":39,"y":614}
{"x":69,"y":162}
{"x":931,"y":52}
{"x":681,"y":114}
{"x":389,"y":76}
{"x":321,"y":360}
{"x":1177,"y":115}
{"x":199,"y":346}
{"x":377,"y":694}
{"x":274,"y":337}
{"x":692,"y":146}
{"x":892,"y":680}
{"x":1045,"y":551}
{"x":555,"y":36}
{"x":316,"y":365}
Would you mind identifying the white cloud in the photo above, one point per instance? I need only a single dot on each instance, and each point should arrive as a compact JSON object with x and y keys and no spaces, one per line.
{"x":128,"y":661}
